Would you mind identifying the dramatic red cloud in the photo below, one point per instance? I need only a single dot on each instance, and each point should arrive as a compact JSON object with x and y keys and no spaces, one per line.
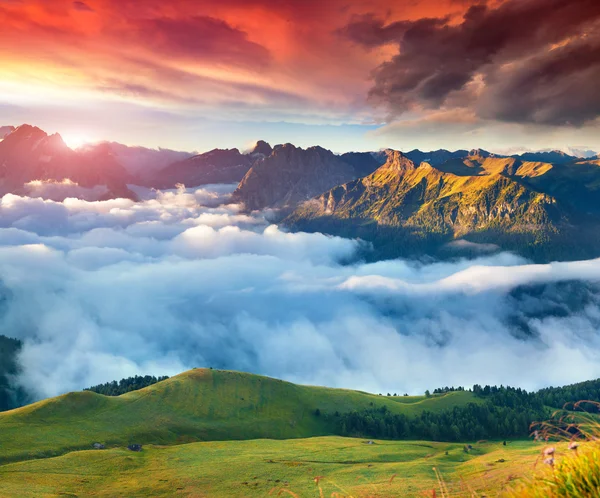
{"x":287,"y":56}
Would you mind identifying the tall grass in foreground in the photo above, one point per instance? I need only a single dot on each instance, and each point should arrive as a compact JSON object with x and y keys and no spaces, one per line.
{"x":571,"y":468}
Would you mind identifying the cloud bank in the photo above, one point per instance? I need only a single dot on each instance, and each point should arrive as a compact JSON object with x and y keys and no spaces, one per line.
{"x":106,"y":289}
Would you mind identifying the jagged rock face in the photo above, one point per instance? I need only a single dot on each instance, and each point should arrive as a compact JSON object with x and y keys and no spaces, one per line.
{"x":28,"y":154}
{"x":291,"y":175}
{"x":216,"y":166}
{"x":401,"y":194}
{"x":396,"y":166}
{"x":498,"y":202}
{"x":423,"y":202}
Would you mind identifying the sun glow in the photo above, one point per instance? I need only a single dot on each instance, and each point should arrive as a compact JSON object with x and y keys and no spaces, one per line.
{"x":76,"y":140}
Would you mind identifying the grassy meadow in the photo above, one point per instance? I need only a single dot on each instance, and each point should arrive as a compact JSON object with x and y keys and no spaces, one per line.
{"x":342,"y":467}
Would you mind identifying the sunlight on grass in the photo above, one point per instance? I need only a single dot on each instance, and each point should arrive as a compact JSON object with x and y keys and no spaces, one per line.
{"x":570,"y":468}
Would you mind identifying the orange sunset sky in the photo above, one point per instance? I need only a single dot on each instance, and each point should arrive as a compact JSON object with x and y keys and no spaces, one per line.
{"x":348,"y":75}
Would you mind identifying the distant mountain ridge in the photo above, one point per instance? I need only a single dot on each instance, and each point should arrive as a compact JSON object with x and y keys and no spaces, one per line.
{"x":215,"y":166}
{"x":29,"y":154}
{"x":30,"y":159}
{"x":141,"y":162}
{"x":290,"y":175}
{"x":553,"y":156}
{"x":542,"y":204}
{"x":434,"y":157}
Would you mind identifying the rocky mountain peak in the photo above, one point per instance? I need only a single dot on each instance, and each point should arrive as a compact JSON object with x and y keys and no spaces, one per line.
{"x":261,"y":148}
{"x":396,"y":161}
{"x":55,"y":141}
{"x":26,"y":132}
{"x":480,"y":153}
{"x":27,"y":139}
{"x":221,"y":154}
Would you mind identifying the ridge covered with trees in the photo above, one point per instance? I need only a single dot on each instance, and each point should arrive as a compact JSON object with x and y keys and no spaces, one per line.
{"x":501,"y":412}
{"x":123,"y":386}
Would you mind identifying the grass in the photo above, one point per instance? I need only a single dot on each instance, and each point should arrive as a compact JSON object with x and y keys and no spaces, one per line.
{"x":198,"y":405}
{"x":570,"y":468}
{"x":342,"y":467}
{"x":574,"y":475}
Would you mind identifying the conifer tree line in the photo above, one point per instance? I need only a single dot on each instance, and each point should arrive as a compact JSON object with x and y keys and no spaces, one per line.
{"x":501,"y":412}
{"x":123,"y":386}
{"x":11,"y":395}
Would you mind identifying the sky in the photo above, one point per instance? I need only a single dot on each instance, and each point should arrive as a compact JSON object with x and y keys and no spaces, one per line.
{"x":102,"y":290}
{"x":347,"y":75}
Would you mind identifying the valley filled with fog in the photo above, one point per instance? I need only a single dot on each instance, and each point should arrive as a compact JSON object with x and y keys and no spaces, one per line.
{"x":101,"y":290}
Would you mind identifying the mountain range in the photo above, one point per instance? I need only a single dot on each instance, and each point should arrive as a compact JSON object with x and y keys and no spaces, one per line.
{"x":544,"y":205}
{"x":215,"y":166}
{"x":28,"y":154}
{"x":540,"y":209}
{"x":30,"y":157}
{"x":290,"y":175}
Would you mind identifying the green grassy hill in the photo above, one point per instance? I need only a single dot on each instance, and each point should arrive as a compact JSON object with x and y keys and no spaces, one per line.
{"x":221,"y":433}
{"x":198,"y":405}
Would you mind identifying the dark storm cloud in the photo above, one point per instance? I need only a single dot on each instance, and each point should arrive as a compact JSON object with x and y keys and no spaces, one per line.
{"x":538,"y":61}
{"x":558,"y":87}
{"x":370,"y":31}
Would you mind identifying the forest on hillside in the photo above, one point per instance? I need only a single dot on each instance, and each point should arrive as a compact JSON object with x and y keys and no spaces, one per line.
{"x":123,"y":386}
{"x":503,"y":412}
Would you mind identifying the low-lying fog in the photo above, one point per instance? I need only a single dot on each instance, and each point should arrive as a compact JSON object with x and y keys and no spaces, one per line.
{"x":104,"y":290}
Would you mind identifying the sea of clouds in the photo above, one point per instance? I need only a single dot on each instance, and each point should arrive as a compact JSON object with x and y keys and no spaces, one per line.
{"x":103,"y":290}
